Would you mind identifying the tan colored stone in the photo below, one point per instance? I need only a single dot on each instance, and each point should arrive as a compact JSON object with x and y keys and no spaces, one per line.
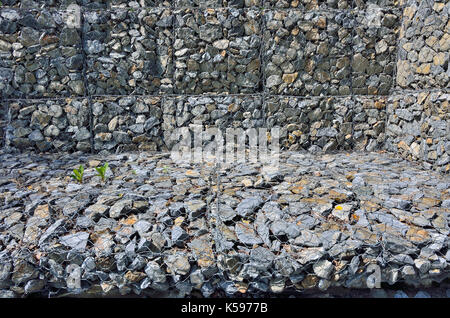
{"x":247,"y":183}
{"x":315,"y":200}
{"x":424,"y":69}
{"x":409,"y":12}
{"x":135,"y":276}
{"x":178,"y":221}
{"x":312,"y":35}
{"x":227,"y":233}
{"x":380,"y":104}
{"x":429,"y":202}
{"x":290,"y":78}
{"x":415,"y":149}
{"x":192,"y":173}
{"x":422,"y":96}
{"x":322,"y":22}
{"x":339,"y":197}
{"x":417,"y":235}
{"x":403,"y":145}
{"x":4,"y":46}
{"x":432,"y":155}
{"x":94,"y":163}
{"x":372,"y":90}
{"x":296,"y":189}
{"x":408,"y":46}
{"x":202,"y":248}
{"x":438,"y":6}
{"x":42,"y":211}
{"x":253,"y":65}
{"x":444,"y":43}
{"x":369,"y":206}
{"x":366,"y":236}
{"x":431,"y":41}
{"x":221,"y":44}
{"x":439,"y":59}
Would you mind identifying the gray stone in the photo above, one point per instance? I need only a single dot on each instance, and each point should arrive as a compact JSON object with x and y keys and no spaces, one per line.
{"x":179,"y":235}
{"x":120,"y":208}
{"x":246,"y":234}
{"x":310,"y":254}
{"x":73,"y":279}
{"x":178,"y":264}
{"x":33,"y":286}
{"x":76,"y":241}
{"x":280,"y":228}
{"x":323,"y":268}
{"x":249,"y":206}
{"x":69,"y":37}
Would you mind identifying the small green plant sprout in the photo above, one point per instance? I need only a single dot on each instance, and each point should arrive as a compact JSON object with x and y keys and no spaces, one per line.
{"x":78,"y":174}
{"x":166,"y":169}
{"x":102,"y":171}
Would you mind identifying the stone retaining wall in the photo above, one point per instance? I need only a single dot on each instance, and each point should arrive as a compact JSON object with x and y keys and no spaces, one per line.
{"x":332,"y":74}
{"x":418,"y":127}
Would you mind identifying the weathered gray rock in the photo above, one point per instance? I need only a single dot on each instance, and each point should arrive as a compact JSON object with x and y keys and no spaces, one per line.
{"x":33,"y":286}
{"x":120,"y":208}
{"x":280,"y":227}
{"x":73,"y":279}
{"x":246,"y":234}
{"x":323,"y":268}
{"x":249,"y":206}
{"x":155,"y":273}
{"x":76,"y":241}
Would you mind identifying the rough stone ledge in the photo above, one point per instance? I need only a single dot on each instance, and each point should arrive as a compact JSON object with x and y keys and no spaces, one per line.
{"x":316,"y":223}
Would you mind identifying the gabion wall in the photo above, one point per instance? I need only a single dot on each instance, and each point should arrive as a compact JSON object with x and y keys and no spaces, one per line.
{"x":333,"y":74}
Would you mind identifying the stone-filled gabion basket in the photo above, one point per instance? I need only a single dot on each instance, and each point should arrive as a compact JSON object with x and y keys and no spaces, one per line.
{"x":49,"y":125}
{"x":217,"y":51}
{"x":310,"y":4}
{"x":424,"y":44}
{"x":418,"y":127}
{"x":41,"y":55}
{"x":375,"y":51}
{"x":369,"y":122}
{"x":367,"y":4}
{"x":127,"y":123}
{"x":315,"y":124}
{"x":129,"y":52}
{"x":221,"y":112}
{"x":140,"y":4}
{"x":218,"y":3}
{"x":307,"y":54}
